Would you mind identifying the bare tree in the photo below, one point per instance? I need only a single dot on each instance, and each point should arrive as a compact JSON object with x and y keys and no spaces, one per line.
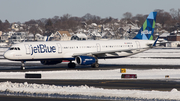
{"x":162,"y":17}
{"x":91,"y":18}
{"x":139,"y":19}
{"x":87,"y":17}
{"x":55,"y":19}
{"x":1,"y":26}
{"x":31,"y":22}
{"x":174,"y":14}
{"x":6,"y":26}
{"x":49,"y":27}
{"x":34,"y":30}
{"x":41,"y":26}
{"x":43,"y":20}
{"x":65,"y":17}
{"x":127,"y":15}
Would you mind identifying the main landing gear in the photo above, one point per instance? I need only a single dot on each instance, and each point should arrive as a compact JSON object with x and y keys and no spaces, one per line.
{"x":96,"y":64}
{"x":71,"y":64}
{"x":22,"y":65}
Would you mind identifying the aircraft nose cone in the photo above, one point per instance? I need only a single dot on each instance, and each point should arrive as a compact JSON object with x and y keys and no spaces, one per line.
{"x":6,"y":55}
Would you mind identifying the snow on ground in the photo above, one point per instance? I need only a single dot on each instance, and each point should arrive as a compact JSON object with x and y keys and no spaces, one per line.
{"x":37,"y":90}
{"x":174,"y":74}
{"x":2,"y":50}
{"x":160,"y":52}
{"x":140,"y":61}
{"x":41,"y":90}
{"x":88,"y":92}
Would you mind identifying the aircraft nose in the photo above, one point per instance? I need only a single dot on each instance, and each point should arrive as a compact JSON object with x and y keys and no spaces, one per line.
{"x":7,"y":55}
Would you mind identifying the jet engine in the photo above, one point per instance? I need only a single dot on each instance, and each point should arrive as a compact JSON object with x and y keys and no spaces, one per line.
{"x":50,"y":62}
{"x":85,"y":60}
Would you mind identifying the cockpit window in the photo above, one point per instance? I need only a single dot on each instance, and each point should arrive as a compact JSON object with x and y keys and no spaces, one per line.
{"x":14,"y":48}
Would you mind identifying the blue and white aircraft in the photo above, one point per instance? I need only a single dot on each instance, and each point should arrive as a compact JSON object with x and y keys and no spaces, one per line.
{"x":83,"y":52}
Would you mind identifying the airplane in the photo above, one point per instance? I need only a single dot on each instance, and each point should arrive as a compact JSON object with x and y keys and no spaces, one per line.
{"x":83,"y":52}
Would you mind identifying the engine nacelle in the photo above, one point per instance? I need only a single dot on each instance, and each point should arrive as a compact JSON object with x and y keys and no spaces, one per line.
{"x":85,"y":60}
{"x":50,"y":62}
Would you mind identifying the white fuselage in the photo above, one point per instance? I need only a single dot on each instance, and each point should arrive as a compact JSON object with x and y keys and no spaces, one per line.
{"x":66,"y":50}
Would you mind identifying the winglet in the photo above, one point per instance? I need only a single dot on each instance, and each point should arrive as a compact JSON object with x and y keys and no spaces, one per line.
{"x":155,"y":41}
{"x":47,"y":39}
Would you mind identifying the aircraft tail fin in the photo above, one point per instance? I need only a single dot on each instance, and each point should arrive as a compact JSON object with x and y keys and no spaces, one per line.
{"x":147,"y":30}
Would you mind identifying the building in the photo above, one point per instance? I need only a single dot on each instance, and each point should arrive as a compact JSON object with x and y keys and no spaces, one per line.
{"x":30,"y":37}
{"x":108,"y":35}
{"x":173,"y":44}
{"x":94,"y":35}
{"x":39,"y":37}
{"x":18,"y":37}
{"x":79,"y":36}
{"x":15,"y":27}
{"x":60,"y":35}
{"x":173,"y":38}
{"x":5,"y":37}
{"x":0,"y":34}
{"x":164,"y":35}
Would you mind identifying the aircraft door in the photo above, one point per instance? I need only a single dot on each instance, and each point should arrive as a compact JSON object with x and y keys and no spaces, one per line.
{"x":27,"y":49}
{"x":59,"y":48}
{"x":98,"y":47}
{"x":138,"y":44}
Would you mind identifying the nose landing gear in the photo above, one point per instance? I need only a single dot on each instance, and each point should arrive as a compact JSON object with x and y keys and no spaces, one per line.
{"x":23,"y":65}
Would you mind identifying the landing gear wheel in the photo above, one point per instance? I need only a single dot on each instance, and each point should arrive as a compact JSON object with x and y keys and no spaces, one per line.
{"x":95,"y":65}
{"x":71,"y":65}
{"x":22,"y":65}
{"x":23,"y":68}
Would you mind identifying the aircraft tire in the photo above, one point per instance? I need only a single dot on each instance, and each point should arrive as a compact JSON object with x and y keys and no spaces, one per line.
{"x":71,"y":65}
{"x":23,"y":68}
{"x":22,"y":65}
{"x":95,"y":65}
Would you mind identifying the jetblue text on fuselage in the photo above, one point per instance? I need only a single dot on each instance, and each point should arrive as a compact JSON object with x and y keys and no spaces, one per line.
{"x":42,"y":48}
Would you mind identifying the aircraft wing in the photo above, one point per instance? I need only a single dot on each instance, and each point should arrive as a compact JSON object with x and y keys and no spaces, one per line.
{"x":107,"y":52}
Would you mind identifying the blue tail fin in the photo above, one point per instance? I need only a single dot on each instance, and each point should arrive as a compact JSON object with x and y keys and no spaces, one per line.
{"x":147,"y":30}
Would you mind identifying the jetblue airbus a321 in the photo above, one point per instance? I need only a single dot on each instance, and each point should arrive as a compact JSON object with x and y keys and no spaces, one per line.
{"x":83,"y":52}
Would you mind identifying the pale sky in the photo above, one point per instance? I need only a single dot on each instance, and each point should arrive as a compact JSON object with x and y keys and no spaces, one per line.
{"x":25,"y":10}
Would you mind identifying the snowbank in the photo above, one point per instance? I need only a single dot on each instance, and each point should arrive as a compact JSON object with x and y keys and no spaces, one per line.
{"x":80,"y":92}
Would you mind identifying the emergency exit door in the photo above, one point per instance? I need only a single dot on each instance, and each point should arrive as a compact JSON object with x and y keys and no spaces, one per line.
{"x":59,"y":48}
{"x":98,"y":47}
{"x":27,"y":49}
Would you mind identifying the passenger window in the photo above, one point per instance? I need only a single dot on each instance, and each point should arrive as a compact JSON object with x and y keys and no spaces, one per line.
{"x":11,"y":48}
{"x":14,"y":48}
